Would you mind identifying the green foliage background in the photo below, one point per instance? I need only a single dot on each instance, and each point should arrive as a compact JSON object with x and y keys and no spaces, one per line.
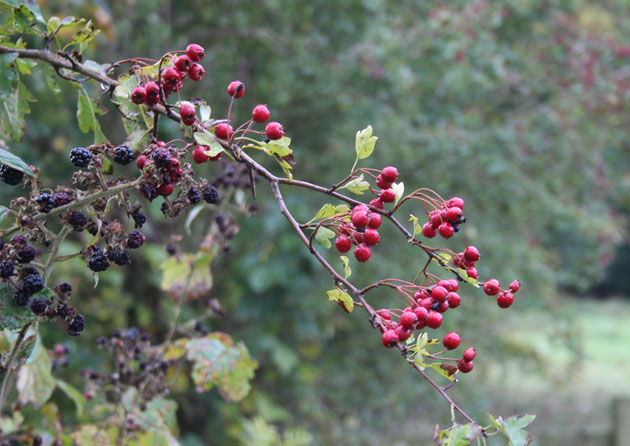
{"x":520,"y":107}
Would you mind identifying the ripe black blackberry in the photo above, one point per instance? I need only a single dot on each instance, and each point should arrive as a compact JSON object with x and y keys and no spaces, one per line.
{"x":135,"y":239}
{"x":98,"y":262}
{"x":64,"y":288}
{"x":162,"y":158}
{"x":18,"y":240}
{"x":118,"y":256}
{"x":61,"y":199}
{"x":31,"y":284}
{"x":80,"y":157}
{"x":148,"y":191}
{"x":194,"y":196}
{"x":6,"y":269}
{"x":211,"y":195}
{"x":77,"y":220}
{"x":39,"y":305}
{"x":123,"y":155}
{"x":46,"y":202}
{"x":26,"y":254}
{"x":139,"y":218}
{"x":10,"y":175}
{"x":76,"y":326}
{"x":20,"y":298}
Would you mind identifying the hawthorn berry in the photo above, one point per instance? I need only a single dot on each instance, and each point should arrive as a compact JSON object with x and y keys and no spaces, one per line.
{"x":451,"y":341}
{"x":385,"y":314}
{"x":434,"y":319}
{"x":456,"y":202}
{"x":153,"y":93}
{"x":195,"y":52}
{"x":403,"y":333}
{"x":491,"y":287}
{"x":223,"y":131}
{"x":454,"y":285}
{"x":426,"y":303}
{"x":381,"y":183}
{"x":371,"y":237}
{"x":211,"y":195}
{"x":387,"y":196}
{"x":389,"y":338}
{"x":428,"y":230}
{"x":374,"y":220}
{"x":453,"y":214}
{"x":236,"y":89}
{"x":472,"y":272}
{"x":135,"y":239}
{"x":421,"y":313}
{"x":390,"y":174}
{"x":515,"y":286}
{"x":441,"y":307}
{"x":182,"y":63}
{"x":171,"y":76}
{"x":123,"y":155}
{"x":80,"y":157}
{"x":274,"y":130}
{"x":471,"y":254}
{"x":446,"y":230}
{"x":46,"y":202}
{"x":360,"y":219}
{"x":196,"y":72}
{"x":469,"y":354}
{"x":98,"y":262}
{"x":505,"y":299}
{"x":362,"y":252}
{"x":408,"y":319}
{"x":199,"y":155}
{"x":439,"y":293}
{"x":10,"y":175}
{"x":453,"y":299}
{"x":376,"y":203}
{"x":6,"y":269}
{"x":260,"y":113}
{"x":465,"y":366}
{"x":343,"y":244}
{"x":188,"y":113}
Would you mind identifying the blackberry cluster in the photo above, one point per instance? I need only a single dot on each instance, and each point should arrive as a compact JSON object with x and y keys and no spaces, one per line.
{"x":80,"y":157}
{"x":10,"y":175}
{"x":46,"y":202}
{"x":135,"y":239}
{"x":148,"y":191}
{"x":194,"y":196}
{"x":6,"y":269}
{"x":162,"y":158}
{"x":139,"y":218}
{"x":39,"y":305}
{"x":31,"y":283}
{"x":97,"y":261}
{"x":77,"y":220}
{"x":25,"y":254}
{"x":61,"y":199}
{"x":211,"y":195}
{"x":123,"y":155}
{"x":76,"y":326}
{"x":118,"y":256}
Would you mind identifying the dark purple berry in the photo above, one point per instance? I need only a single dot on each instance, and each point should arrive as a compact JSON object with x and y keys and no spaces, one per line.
{"x":65,"y":287}
{"x":32,"y":284}
{"x":18,"y":240}
{"x":123,"y":155}
{"x":139,"y":219}
{"x":39,"y":305}
{"x":77,"y":325}
{"x":80,"y":157}
{"x":98,"y":262}
{"x":194,"y":196}
{"x":211,"y":195}
{"x":46,"y":202}
{"x":162,"y":158}
{"x":135,"y":239}
{"x":10,"y":175}
{"x":26,"y":254}
{"x":20,"y":298}
{"x":77,"y":220}
{"x":6,"y":269}
{"x":119,"y":257}
{"x":61,"y":199}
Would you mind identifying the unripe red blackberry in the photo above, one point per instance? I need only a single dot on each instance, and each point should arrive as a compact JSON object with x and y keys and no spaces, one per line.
{"x":236,"y":89}
{"x":196,"y":72}
{"x":428,"y":230}
{"x":471,"y":254}
{"x":374,"y":220}
{"x":465,"y":366}
{"x":360,"y":219}
{"x":434,"y":319}
{"x":182,"y":63}
{"x":505,"y":300}
{"x":387,"y":196}
{"x":260,"y":113}
{"x":446,"y":230}
{"x":343,"y":244}
{"x":371,"y":237}
{"x":139,"y":95}
{"x":135,"y":239}
{"x":492,"y":287}
{"x":408,"y":319}
{"x":141,"y":161}
{"x":469,"y":354}
{"x":274,"y":130}
{"x":188,"y":113}
{"x":390,"y":174}
{"x":362,"y":252}
{"x":195,"y":52}
{"x":165,"y":189}
{"x":451,"y":341}
{"x":223,"y":131}
{"x":389,"y":338}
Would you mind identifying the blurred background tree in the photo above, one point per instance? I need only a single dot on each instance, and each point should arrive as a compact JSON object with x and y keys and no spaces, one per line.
{"x":520,"y":107}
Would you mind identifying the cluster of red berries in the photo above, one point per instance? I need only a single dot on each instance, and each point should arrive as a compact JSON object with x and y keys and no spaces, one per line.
{"x":505,"y":298}
{"x":167,"y":167}
{"x":446,"y":220}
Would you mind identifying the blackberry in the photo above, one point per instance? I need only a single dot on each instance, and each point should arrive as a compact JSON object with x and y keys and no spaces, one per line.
{"x":98,"y":262}
{"x":101,"y":340}
{"x":20,"y":298}
{"x":31,"y":284}
{"x":119,"y":257}
{"x":63,"y":310}
{"x":6,"y":269}
{"x":162,"y":158}
{"x":135,"y":239}
{"x":77,"y":220}
{"x":139,"y":218}
{"x":46,"y":202}
{"x":37,"y":440}
{"x":28,"y":270}
{"x":76,"y":326}
{"x":61,"y":199}
{"x":10,"y":175}
{"x":64,"y":287}
{"x":194,"y":196}
{"x":148,"y":191}
{"x":80,"y":157}
{"x":123,"y":155}
{"x":18,"y":240}
{"x":211,"y":195}
{"x":39,"y":305}
{"x":26,"y":254}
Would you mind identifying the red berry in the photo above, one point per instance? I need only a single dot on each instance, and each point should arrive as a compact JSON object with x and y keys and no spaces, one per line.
{"x":389,"y":338}
{"x":376,"y":203}
{"x":223,"y":131}
{"x":141,"y":161}
{"x":435,"y":218}
{"x":390,"y":174}
{"x":456,"y":202}
{"x":453,"y":299}
{"x":472,"y":272}
{"x":153,"y":93}
{"x":371,"y":237}
{"x":434,"y":319}
{"x":380,"y":182}
{"x":171,"y":76}
{"x":428,"y":230}
{"x":442,"y":307}
{"x":59,"y":350}
{"x":403,"y":333}
{"x":385,"y":314}
{"x":515,"y":286}
{"x":362,"y":252}
{"x":260,"y":113}
{"x":439,"y":293}
{"x":387,"y":196}
{"x":444,"y":283}
{"x":421,"y":313}
{"x":465,"y":366}
{"x":453,"y":214}
{"x":182,"y":63}
{"x":360,"y":207}
{"x":408,"y":319}
{"x":165,"y":189}
{"x":451,"y":340}
{"x":343,"y":244}
{"x":187,"y":113}
{"x":216,"y":157}
{"x":505,"y":300}
{"x":469,"y":354}
{"x":199,"y":155}
{"x":138,"y":95}
{"x":195,"y":52}
{"x":360,"y":219}
{"x":446,"y":230}
{"x":196,"y":72}
{"x":426,"y":303}
{"x":236,"y":89}
{"x":471,"y":254}
{"x":374,"y":220}
{"x":491,"y":287}
{"x":274,"y":130}
{"x":454,"y":285}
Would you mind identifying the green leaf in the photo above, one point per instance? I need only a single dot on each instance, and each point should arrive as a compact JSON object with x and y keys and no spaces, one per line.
{"x":177,"y":277}
{"x":399,"y":189}
{"x":204,"y":112}
{"x":90,"y":435}
{"x":7,"y":74}
{"x":35,"y":383}
{"x":365,"y":142}
{"x":13,"y":317}
{"x":87,"y":110}
{"x":467,"y":278}
{"x":346,"y":266}
{"x":278,"y":147}
{"x":338,"y":295}
{"x":15,"y":161}
{"x":323,"y":236}
{"x":51,"y":78}
{"x":357,"y":185}
{"x":176,"y":349}
{"x":22,"y":355}
{"x":441,"y":370}
{"x":138,"y":139}
{"x":14,"y":107}
{"x":74,"y":394}
{"x":9,"y":425}
{"x":417,"y":227}
{"x":126,"y":84}
{"x":214,"y":146}
{"x":84,"y":36}
{"x":327,"y":210}
{"x":513,"y":428}
{"x":53,"y":23}
{"x":33,"y":8}
{"x":459,"y":435}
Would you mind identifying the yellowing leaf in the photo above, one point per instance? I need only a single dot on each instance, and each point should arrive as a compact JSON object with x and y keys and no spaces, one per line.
{"x":346,"y":266}
{"x":338,"y":295}
{"x":365,"y":142}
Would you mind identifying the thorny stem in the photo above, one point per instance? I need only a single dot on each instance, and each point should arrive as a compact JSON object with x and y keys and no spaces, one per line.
{"x":7,"y":371}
